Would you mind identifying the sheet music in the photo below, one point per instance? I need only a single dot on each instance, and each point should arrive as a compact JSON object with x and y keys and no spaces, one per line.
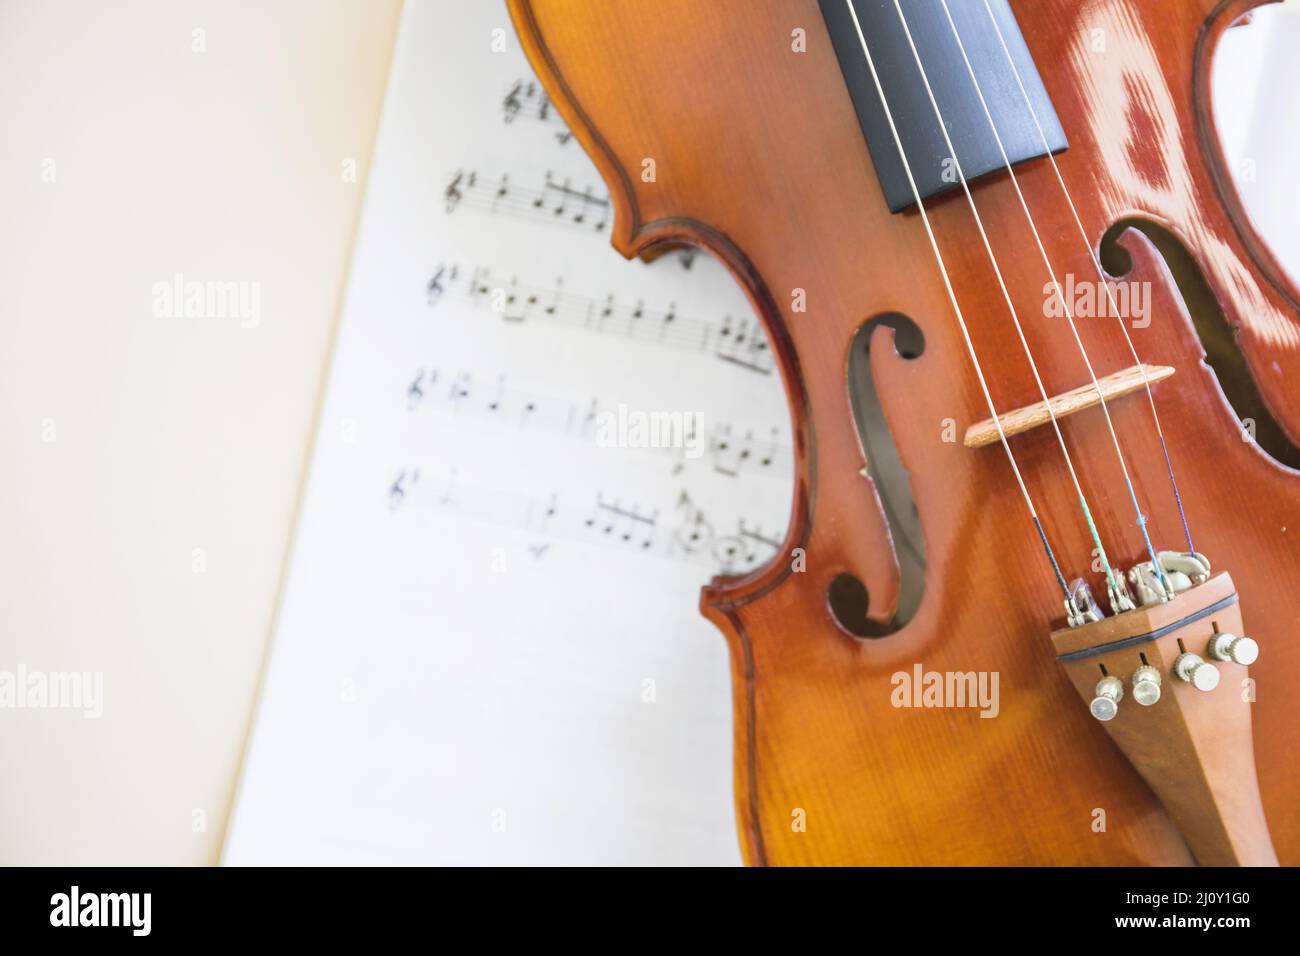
{"x":530,"y":457}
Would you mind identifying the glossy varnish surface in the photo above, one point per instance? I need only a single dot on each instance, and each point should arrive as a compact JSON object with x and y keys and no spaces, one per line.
{"x":759,"y":158}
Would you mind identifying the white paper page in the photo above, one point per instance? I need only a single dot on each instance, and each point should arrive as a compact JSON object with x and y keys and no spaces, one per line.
{"x":489,"y":648}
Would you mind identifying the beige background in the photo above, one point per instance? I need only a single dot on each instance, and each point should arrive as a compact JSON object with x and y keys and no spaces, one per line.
{"x":167,"y":434}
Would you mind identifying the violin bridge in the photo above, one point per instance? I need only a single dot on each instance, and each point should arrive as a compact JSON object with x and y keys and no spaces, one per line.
{"x":1111,"y":386}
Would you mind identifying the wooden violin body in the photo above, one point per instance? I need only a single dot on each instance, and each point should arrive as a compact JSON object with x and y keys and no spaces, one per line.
{"x":758,"y":157}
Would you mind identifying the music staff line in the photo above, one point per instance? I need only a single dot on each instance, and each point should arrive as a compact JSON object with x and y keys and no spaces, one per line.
{"x":737,"y":341}
{"x":730,"y":451}
{"x":681,"y":533}
{"x":555,"y":201}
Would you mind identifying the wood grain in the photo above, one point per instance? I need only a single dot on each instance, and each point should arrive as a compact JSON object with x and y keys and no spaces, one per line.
{"x":760,"y":160}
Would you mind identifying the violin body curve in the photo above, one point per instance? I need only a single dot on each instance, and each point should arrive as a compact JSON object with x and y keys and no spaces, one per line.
{"x":757,"y":157}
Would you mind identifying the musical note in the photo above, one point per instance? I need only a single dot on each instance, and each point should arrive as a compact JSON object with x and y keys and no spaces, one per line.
{"x":415,"y":391}
{"x":400,"y":488}
{"x":437,"y":284}
{"x":555,"y":201}
{"x":738,"y":343}
{"x":731,"y":456}
{"x":628,"y":525}
{"x":742,"y":343}
{"x":453,"y":194}
{"x":693,"y":533}
{"x":587,"y":423}
{"x":728,"y":455}
{"x":694,"y":536}
{"x":494,"y":404}
{"x":548,"y":513}
{"x":525,"y":98}
{"x":607,"y":522}
{"x":459,"y":390}
{"x":502,"y":193}
{"x":512,"y":104}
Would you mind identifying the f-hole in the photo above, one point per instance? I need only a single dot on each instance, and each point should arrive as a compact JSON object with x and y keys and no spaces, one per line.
{"x":847,"y":596}
{"x":1216,"y":335}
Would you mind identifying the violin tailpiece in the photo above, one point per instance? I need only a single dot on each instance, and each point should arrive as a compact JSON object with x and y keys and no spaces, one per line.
{"x":1169,"y":682}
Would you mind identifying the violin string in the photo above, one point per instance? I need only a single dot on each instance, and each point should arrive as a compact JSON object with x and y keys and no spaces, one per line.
{"x":1111,"y":579}
{"x":1051,"y":275}
{"x":1096,"y":261}
{"x":961,"y":320}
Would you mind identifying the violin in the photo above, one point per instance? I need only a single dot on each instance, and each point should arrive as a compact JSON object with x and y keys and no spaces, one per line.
{"x":1036,"y":603}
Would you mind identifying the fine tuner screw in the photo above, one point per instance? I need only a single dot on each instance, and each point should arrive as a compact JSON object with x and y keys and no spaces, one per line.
{"x":1110,"y":691}
{"x":1146,"y":685}
{"x":1200,"y":674}
{"x":1231,"y":647}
